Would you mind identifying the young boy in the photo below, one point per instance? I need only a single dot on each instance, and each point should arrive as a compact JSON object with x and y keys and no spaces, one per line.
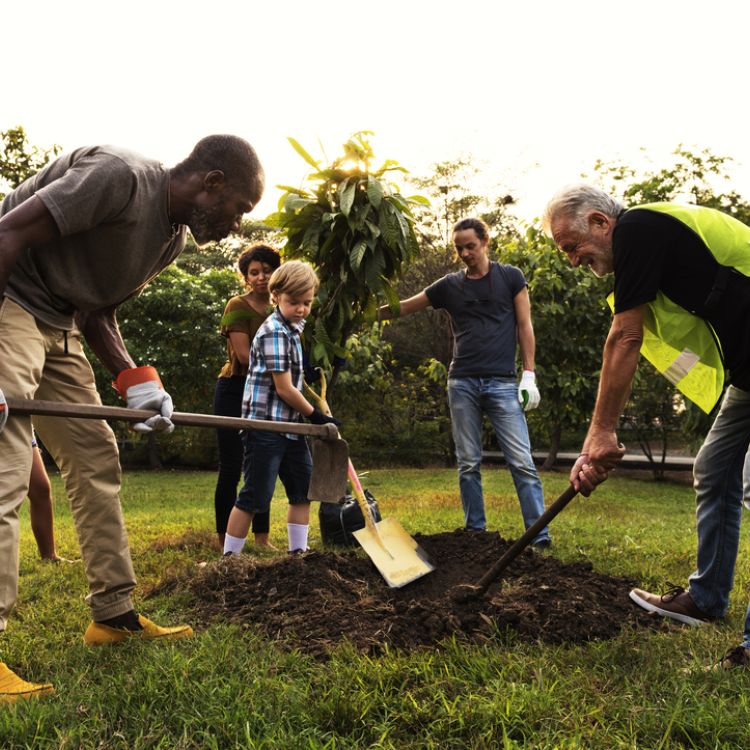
{"x":273,"y":392}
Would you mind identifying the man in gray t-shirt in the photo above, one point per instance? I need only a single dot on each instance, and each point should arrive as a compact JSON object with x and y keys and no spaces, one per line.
{"x":489,"y":308}
{"x":87,"y":232}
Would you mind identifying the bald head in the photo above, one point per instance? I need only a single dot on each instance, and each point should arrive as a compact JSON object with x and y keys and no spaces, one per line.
{"x":229,"y":154}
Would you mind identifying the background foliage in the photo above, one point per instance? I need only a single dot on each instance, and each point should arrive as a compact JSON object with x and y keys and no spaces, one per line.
{"x":372,"y":245}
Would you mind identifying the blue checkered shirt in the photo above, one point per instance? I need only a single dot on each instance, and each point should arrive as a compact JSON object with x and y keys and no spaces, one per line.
{"x":276,"y":348}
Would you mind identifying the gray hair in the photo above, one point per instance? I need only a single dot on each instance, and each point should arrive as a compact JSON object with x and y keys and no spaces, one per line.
{"x":576,"y":202}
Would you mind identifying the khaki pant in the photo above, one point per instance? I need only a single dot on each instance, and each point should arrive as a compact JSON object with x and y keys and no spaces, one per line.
{"x":34,"y":363}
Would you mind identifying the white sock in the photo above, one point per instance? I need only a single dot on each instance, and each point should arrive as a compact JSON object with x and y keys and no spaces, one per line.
{"x":297,"y":533}
{"x":233,"y":544}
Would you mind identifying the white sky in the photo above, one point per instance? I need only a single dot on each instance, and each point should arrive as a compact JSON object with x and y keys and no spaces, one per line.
{"x":535,"y":91}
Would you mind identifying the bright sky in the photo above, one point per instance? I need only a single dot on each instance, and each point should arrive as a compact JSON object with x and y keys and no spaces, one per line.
{"x":534,"y":91}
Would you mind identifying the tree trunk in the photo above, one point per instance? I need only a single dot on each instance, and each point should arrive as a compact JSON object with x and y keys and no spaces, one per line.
{"x":555,"y":436}
{"x":152,"y":452}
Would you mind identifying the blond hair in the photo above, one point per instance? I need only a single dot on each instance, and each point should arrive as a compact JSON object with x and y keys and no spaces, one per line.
{"x":293,"y":278}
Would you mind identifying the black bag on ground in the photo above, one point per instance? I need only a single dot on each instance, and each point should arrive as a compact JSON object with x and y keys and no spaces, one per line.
{"x":339,"y":520}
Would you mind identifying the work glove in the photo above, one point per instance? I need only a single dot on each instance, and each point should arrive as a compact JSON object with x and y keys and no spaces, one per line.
{"x":528,"y":393}
{"x":3,"y":411}
{"x":142,"y":389}
{"x":317,"y":417}
{"x":312,"y":374}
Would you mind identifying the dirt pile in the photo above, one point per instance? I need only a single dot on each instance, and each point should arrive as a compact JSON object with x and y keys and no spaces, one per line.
{"x":319,"y":599}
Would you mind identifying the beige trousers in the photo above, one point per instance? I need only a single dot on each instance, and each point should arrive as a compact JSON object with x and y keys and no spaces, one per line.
{"x":34,"y":363}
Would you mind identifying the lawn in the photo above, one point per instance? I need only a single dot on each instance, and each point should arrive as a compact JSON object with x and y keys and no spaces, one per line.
{"x":230,"y":687}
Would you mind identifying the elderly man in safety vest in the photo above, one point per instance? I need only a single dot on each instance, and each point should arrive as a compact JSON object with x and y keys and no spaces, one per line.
{"x":682,"y":298}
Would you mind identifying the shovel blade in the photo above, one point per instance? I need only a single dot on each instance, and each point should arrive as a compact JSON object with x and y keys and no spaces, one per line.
{"x":395,"y":554}
{"x":329,"y":473}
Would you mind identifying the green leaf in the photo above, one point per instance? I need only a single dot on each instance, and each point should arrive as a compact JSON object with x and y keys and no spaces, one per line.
{"x":374,"y":266}
{"x":310,"y":240}
{"x":389,"y":165}
{"x":346,"y":195}
{"x":296,"y":191}
{"x":420,"y":199}
{"x":357,"y":253}
{"x":319,"y":354}
{"x":327,"y":243}
{"x":274,"y":220}
{"x":391,"y":296}
{"x":301,"y":151}
{"x":374,"y":191}
{"x":295,"y":203}
{"x":389,"y":225}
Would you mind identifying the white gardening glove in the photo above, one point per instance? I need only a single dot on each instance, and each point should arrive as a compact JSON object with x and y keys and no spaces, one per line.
{"x":528,"y":393}
{"x":3,"y":411}
{"x":142,"y":389}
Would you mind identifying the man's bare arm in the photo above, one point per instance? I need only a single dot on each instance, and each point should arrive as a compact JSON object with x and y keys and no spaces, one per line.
{"x":102,"y":334}
{"x":406,"y":307}
{"x":601,"y":450}
{"x":28,"y":225}
{"x":526,"y":339}
{"x":620,"y":361}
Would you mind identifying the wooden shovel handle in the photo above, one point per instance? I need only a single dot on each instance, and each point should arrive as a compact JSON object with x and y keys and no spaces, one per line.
{"x":522,"y":542}
{"x":95,"y":411}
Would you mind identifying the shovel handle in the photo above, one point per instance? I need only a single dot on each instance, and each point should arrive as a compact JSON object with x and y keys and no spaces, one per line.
{"x":522,"y":542}
{"x":96,"y":411}
{"x":361,"y":500}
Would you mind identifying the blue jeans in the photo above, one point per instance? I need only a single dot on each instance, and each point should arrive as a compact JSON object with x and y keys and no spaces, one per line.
{"x":269,"y":455}
{"x":468,"y":399}
{"x":717,"y":474}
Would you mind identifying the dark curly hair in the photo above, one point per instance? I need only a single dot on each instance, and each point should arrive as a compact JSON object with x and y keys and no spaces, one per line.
{"x":480,"y":228}
{"x":263,"y":253}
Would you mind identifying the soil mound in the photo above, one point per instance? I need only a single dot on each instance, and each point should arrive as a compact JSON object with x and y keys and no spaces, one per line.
{"x":314,"y":601}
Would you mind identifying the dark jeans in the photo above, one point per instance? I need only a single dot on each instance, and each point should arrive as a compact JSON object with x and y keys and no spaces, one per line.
{"x":228,"y":403}
{"x":268,"y":456}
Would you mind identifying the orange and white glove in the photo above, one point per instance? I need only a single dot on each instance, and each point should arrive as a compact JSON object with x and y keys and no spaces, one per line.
{"x":3,"y":411}
{"x":142,"y":389}
{"x":528,"y":393}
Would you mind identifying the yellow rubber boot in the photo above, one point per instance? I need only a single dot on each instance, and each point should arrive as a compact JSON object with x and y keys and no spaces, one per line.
{"x":12,"y":687}
{"x":102,"y":635}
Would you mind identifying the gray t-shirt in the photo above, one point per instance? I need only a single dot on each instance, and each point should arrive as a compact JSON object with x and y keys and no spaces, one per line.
{"x":483,"y":319}
{"x":112,"y":209}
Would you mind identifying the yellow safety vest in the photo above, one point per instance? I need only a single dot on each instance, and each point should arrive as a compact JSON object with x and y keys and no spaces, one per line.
{"x":681,"y":346}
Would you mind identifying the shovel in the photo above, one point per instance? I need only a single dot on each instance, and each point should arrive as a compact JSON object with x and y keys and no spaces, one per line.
{"x":394,"y":553}
{"x":328,"y":481}
{"x":467,"y":591}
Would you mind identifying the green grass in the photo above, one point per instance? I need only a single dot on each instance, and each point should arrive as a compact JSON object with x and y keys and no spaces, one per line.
{"x":230,"y":687}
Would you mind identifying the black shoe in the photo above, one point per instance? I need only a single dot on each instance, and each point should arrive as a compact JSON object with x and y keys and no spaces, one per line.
{"x":541,"y":544}
{"x":736,"y":658}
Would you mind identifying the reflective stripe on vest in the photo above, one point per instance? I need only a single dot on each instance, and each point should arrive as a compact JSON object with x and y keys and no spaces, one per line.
{"x":681,"y":346}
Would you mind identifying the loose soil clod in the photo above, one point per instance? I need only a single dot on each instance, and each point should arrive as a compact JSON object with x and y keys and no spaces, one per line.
{"x":317,"y":600}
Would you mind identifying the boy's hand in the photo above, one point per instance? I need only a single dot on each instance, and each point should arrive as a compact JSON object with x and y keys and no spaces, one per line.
{"x":317,"y":417}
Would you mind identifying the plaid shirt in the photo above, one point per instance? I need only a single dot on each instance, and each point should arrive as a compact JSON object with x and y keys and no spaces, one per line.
{"x":276,"y":348}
